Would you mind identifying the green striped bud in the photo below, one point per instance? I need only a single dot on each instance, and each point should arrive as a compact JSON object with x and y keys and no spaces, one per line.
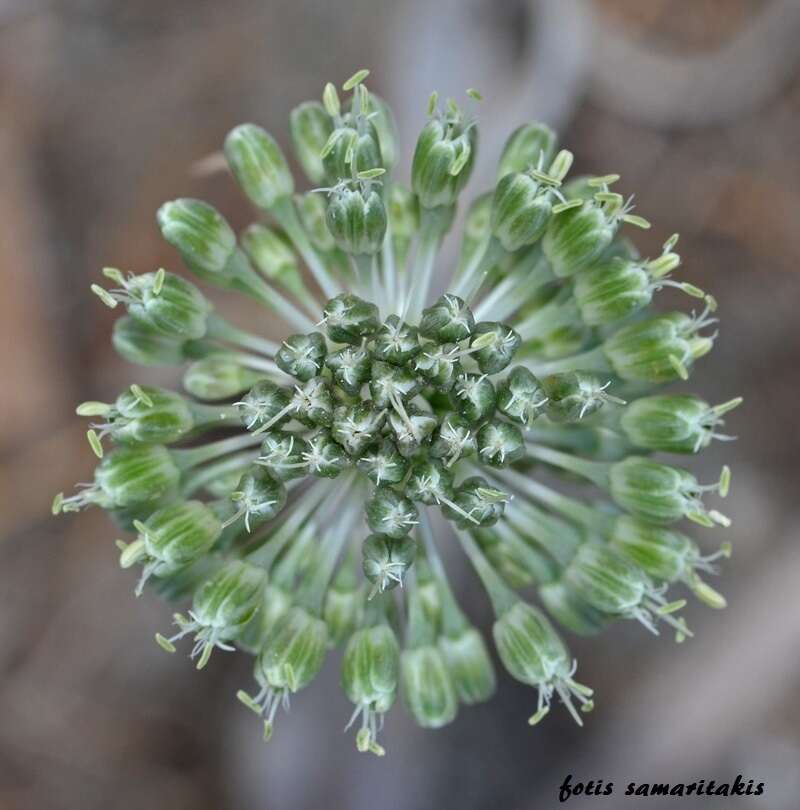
{"x":275,"y":602}
{"x":258,"y":497}
{"x":200,"y":234}
{"x":572,"y":611}
{"x":396,"y":341}
{"x":412,"y":428}
{"x":528,"y":145}
{"x":349,"y":318}
{"x":389,"y":384}
{"x":370,"y":666}
{"x":356,"y":426}
{"x":449,"y":320}
{"x":314,"y":403}
{"x":312,"y":209}
{"x":219,"y":376}
{"x":674,"y":423}
{"x":474,"y":397}
{"x":383,"y":463}
{"x":477,"y":504}
{"x":385,"y":559}
{"x":137,"y":474}
{"x":350,"y":151}
{"x":140,"y":343}
{"x":326,"y":458}
{"x":453,"y":439}
{"x":149,"y":415}
{"x":439,"y":365}
{"x":534,"y":654}
{"x":382,"y":119}
{"x":172,"y":538}
{"x":294,"y":650}
{"x":521,"y":397}
{"x":343,"y":611}
{"x":273,"y":257}
{"x":310,"y":127}
{"x":283,"y":455}
{"x":429,"y":481}
{"x":500,"y":443}
{"x":302,"y":356}
{"x":264,"y":406}
{"x":663,"y":494}
{"x":390,"y":513}
{"x":356,"y":218}
{"x":493,"y":346}
{"x":574,"y":395}
{"x":470,"y":666}
{"x":258,"y":164}
{"x":350,"y":367}
{"x":428,"y":689}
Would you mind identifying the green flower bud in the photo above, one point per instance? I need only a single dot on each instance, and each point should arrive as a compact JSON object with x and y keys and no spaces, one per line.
{"x":443,"y":160}
{"x":470,"y":666}
{"x":172,"y":538}
{"x":259,"y":496}
{"x":140,"y":343}
{"x":674,"y":423}
{"x":396,"y":341}
{"x":284,"y":454}
{"x":528,"y":145}
{"x":404,"y":220}
{"x":428,"y":689}
{"x":258,"y":164}
{"x":428,"y":596}
{"x":349,"y":318}
{"x":302,"y":356}
{"x":273,"y":257}
{"x":412,"y":427}
{"x":504,"y":558}
{"x":218,"y":376}
{"x":390,"y":383}
{"x":663,"y":494}
{"x":474,"y":397}
{"x":350,"y":367}
{"x":383,"y":463}
{"x":357,"y":426}
{"x":137,"y":474}
{"x":221,"y":609}
{"x":439,"y":365}
{"x":494,"y":345}
{"x":523,"y":203}
{"x":521,"y":397}
{"x":344,"y":602}
{"x":449,"y":320}
{"x":390,"y":513}
{"x":572,"y":611}
{"x":312,"y":209}
{"x":275,"y":602}
{"x":370,"y":666}
{"x":200,"y":234}
{"x":477,"y":504}
{"x":264,"y":406}
{"x":356,"y":218}
{"x":386,"y":558}
{"x":659,"y":349}
{"x":429,"y":481}
{"x":314,"y":403}
{"x":500,"y":443}
{"x":350,"y":151}
{"x":310,"y":127}
{"x":574,"y":395}
{"x":453,"y":439}
{"x":534,"y":654}
{"x":325,"y":457}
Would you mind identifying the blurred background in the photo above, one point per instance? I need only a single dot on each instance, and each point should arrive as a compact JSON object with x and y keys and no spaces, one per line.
{"x":105,"y":105}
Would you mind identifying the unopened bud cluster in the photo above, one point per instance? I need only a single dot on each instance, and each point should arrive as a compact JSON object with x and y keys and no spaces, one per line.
{"x":298,"y":495}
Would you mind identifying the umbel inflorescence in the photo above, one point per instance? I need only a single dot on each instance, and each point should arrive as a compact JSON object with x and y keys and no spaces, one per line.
{"x":333,"y":453}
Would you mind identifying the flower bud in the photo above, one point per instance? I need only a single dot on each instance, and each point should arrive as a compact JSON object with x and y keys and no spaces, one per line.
{"x":172,"y":538}
{"x":258,"y":496}
{"x":258,"y":164}
{"x":521,"y":397}
{"x":383,"y":463}
{"x":470,"y":666}
{"x":494,"y":345}
{"x":310,"y":127}
{"x":574,"y":395}
{"x":503,"y":557}
{"x":396,"y":341}
{"x":349,"y":318}
{"x":453,"y":439}
{"x":663,"y":494}
{"x":221,"y":609}
{"x":325,"y":457}
{"x":283,"y":454}
{"x":356,"y":218}
{"x":389,"y":383}
{"x":264,"y":406}
{"x":500,"y":443}
{"x":357,"y":426}
{"x":523,"y":203}
{"x":350,"y":151}
{"x":350,"y":367}
{"x":273,"y":257}
{"x":428,"y":689}
{"x":390,"y":513}
{"x":439,"y":365}
{"x":314,"y":403}
{"x":428,"y":481}
{"x":370,"y":667}
{"x":449,"y":320}
{"x":344,"y":603}
{"x":443,"y":160}
{"x":475,"y":498}
{"x":199,"y":233}
{"x":610,"y":291}
{"x":385,"y":560}
{"x":218,"y":376}
{"x":149,"y":415}
{"x":137,"y":474}
{"x":312,"y":209}
{"x":528,"y":145}
{"x":659,"y":349}
{"x":302,"y":356}
{"x":140,"y":343}
{"x":275,"y":602}
{"x":474,"y":397}
{"x":294,"y":650}
{"x":534,"y":654}
{"x":412,"y":428}
{"x":674,"y":423}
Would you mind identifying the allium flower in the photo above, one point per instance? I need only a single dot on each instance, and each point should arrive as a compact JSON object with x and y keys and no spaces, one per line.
{"x":305,"y":520}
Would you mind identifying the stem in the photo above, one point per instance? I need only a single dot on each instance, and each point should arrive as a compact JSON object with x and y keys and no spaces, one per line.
{"x":500,"y":595}
{"x":591,"y":360}
{"x":187,"y":459}
{"x":595,"y":471}
{"x":258,"y":363}
{"x":389,"y":270}
{"x":558,"y":312}
{"x":197,"y":479}
{"x":431,"y":230}
{"x":220,"y":329}
{"x":206,"y":416}
{"x":516,"y":288}
{"x":538,"y":564}
{"x":287,"y":218}
{"x":469,"y":285}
